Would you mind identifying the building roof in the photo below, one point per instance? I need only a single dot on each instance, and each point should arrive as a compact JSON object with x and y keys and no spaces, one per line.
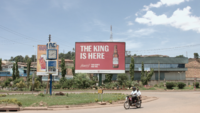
{"x":156,"y":60}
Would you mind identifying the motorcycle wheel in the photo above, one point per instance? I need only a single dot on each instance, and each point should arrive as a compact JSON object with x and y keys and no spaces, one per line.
{"x":138,"y":105}
{"x":126,"y":105}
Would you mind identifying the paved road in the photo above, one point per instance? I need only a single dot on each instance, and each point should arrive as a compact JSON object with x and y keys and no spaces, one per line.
{"x":167,"y":102}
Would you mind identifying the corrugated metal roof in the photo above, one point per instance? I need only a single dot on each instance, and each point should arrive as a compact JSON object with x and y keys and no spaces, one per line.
{"x":155,"y":60}
{"x":164,"y":69}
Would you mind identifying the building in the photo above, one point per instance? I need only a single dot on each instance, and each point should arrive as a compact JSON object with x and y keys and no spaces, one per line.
{"x":22,"y":67}
{"x":193,"y":67}
{"x":169,"y":68}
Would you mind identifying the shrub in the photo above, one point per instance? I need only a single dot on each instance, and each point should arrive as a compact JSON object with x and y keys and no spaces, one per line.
{"x":41,"y":94}
{"x":82,"y":81}
{"x":7,"y":82}
{"x":21,"y":85}
{"x":155,"y":85}
{"x":197,"y":84}
{"x":2,"y":95}
{"x":181,"y":85}
{"x":56,"y":85}
{"x":122,"y":78}
{"x":110,"y":101}
{"x":14,"y":101}
{"x":128,"y":83}
{"x":17,"y":80}
{"x":96,"y":100}
{"x":161,"y":84}
{"x":170,"y":85}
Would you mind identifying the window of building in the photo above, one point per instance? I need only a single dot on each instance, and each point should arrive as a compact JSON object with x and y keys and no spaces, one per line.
{"x":137,"y":66}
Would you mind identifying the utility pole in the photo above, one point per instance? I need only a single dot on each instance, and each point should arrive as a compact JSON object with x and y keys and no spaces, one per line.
{"x":49,"y":74}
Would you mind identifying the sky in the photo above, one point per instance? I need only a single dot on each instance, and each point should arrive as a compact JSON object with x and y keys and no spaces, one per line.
{"x":165,"y":27}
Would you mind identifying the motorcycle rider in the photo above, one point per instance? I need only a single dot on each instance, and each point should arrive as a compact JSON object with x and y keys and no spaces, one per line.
{"x":134,"y":94}
{"x":139,"y":94}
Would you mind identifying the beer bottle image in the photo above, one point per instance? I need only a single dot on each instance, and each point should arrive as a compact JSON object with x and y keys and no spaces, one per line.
{"x":115,"y":58}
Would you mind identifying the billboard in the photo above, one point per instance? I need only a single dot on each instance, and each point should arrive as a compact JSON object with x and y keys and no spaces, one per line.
{"x":100,"y":57}
{"x":41,"y":60}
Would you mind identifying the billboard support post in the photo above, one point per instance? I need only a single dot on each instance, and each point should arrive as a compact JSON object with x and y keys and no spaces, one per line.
{"x":47,"y":85}
{"x":50,"y":89}
{"x":100,"y":79}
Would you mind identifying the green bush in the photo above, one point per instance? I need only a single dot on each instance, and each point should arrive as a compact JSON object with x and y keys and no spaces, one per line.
{"x":56,"y":85}
{"x":170,"y":85}
{"x":181,"y":85}
{"x":122,"y":78}
{"x":128,"y":83}
{"x":155,"y":85}
{"x":41,"y":94}
{"x":9,"y":101}
{"x":197,"y":84}
{"x":2,"y":95}
{"x":17,"y":80}
{"x":96,"y":100}
{"x":7,"y":82}
{"x":82,"y":81}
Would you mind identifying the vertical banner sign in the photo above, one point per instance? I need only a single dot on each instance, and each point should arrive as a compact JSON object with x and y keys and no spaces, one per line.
{"x":100,"y":57}
{"x":41,"y":60}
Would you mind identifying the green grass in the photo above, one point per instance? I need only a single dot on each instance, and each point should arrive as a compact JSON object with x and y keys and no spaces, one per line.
{"x":143,"y":88}
{"x":71,"y":99}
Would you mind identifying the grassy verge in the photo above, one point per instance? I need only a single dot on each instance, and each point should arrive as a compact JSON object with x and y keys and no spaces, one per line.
{"x":71,"y":99}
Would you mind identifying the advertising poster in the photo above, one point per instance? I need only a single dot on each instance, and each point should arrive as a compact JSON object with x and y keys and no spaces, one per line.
{"x":52,"y":66}
{"x":41,"y":60}
{"x":100,"y":57}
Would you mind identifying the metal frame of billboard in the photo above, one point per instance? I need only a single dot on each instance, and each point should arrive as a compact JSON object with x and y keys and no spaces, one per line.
{"x":101,"y":71}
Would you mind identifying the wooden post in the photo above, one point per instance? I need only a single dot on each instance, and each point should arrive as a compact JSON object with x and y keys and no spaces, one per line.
{"x":47,"y":85}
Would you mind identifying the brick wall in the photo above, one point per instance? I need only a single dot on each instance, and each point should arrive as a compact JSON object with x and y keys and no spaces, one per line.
{"x":193,"y":67}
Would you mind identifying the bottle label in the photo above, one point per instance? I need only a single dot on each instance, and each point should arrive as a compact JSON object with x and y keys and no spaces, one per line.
{"x":115,"y":60}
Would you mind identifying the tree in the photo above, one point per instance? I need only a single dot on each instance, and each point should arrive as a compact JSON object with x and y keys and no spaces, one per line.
{"x":196,"y":55}
{"x":63,"y":68}
{"x":0,"y":64}
{"x":13,"y":74}
{"x":132,"y":69}
{"x":180,"y":56}
{"x":33,"y":58}
{"x":146,"y":76}
{"x":73,"y":69}
{"x":26,"y":58}
{"x":16,"y":69}
{"x":28,"y":68}
{"x":108,"y":78}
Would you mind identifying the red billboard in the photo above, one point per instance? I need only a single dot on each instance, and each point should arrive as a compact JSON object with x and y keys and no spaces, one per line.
{"x":100,"y":57}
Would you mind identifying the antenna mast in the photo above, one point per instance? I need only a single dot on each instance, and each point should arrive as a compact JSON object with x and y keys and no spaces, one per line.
{"x":111,"y":38}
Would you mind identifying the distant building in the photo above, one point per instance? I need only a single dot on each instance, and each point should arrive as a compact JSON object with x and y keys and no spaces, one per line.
{"x":193,"y":67}
{"x":170,"y":68}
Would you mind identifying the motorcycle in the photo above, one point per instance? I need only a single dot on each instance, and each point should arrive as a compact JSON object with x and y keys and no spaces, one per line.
{"x":129,"y":102}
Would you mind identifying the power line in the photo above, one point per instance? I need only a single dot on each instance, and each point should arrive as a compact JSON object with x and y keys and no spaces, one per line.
{"x":164,"y":49}
{"x":25,"y":36}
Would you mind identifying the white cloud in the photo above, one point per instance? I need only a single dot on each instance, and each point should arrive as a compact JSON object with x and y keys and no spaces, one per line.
{"x":127,"y":17}
{"x":137,"y":33}
{"x":181,"y":19}
{"x":130,"y":23}
{"x":164,"y":2}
